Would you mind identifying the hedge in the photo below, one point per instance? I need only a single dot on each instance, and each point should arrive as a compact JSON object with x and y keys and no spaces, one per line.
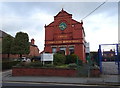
{"x":8,"y":64}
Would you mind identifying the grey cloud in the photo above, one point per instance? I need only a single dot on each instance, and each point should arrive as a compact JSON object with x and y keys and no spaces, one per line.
{"x":19,"y":14}
{"x":28,"y":8}
{"x":24,"y":10}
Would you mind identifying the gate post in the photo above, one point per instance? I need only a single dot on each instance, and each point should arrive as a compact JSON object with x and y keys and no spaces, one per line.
{"x":118,"y":61}
{"x":100,"y":58}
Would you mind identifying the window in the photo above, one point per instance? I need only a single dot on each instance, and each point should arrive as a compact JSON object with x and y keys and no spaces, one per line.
{"x":63,"y":50}
{"x":73,"y":25}
{"x":71,"y":50}
{"x":54,"y":50}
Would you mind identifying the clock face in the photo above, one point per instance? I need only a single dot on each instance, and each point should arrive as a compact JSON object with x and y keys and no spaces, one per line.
{"x":62,"y":26}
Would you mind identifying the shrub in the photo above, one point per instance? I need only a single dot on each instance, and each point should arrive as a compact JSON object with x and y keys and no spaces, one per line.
{"x":79,"y":62}
{"x":29,"y":65}
{"x":73,"y":65}
{"x":36,"y":64}
{"x":48,"y":65}
{"x":62,"y":66}
{"x":59,"y":59}
{"x":8,"y":64}
{"x":71,"y":58}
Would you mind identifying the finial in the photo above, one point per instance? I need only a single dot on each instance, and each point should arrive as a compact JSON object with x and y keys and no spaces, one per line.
{"x":45,"y":25}
{"x":62,"y":9}
{"x":81,"y":21}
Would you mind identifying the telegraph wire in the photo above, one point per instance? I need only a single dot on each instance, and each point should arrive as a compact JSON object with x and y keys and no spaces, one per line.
{"x":94,"y":10}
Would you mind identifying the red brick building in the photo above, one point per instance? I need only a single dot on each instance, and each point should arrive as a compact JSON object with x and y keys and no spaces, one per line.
{"x":34,"y":51}
{"x":110,"y":53}
{"x":65,"y":34}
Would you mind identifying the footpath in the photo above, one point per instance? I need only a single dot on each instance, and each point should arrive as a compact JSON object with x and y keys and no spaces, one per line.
{"x":110,"y":80}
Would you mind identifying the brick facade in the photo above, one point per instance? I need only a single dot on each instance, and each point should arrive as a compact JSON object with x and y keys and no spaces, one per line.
{"x":65,"y":34}
{"x":34,"y":51}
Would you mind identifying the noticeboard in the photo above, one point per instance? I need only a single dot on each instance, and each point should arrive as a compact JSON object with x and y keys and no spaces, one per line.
{"x":46,"y":57}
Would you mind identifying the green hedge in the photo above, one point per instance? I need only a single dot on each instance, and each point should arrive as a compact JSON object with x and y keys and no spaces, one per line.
{"x":72,"y":65}
{"x":71,"y":59}
{"x":35,"y":64}
{"x":8,"y":64}
{"x":29,"y":64}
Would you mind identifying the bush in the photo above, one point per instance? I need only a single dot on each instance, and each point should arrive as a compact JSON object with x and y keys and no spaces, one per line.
{"x":79,"y":62}
{"x":48,"y":65}
{"x":36,"y":64}
{"x":62,"y":66}
{"x":71,"y":58}
{"x":8,"y":64}
{"x":59,"y":59}
{"x":73,"y":65}
{"x":29,"y":65}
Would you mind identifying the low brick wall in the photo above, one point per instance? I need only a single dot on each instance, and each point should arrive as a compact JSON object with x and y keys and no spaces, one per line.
{"x":95,"y":73}
{"x":44,"y":72}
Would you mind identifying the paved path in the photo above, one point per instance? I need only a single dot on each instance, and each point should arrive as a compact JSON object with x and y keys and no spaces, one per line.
{"x":109,"y":68}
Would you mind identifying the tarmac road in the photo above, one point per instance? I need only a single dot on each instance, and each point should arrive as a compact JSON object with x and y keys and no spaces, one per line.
{"x":51,"y":85}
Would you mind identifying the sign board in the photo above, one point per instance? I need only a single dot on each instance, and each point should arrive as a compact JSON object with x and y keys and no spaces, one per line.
{"x":46,"y":57}
{"x":63,"y":41}
{"x":87,"y":48}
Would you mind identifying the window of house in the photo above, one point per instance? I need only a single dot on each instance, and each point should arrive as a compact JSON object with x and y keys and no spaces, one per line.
{"x":71,"y":50}
{"x":54,"y":50}
{"x":63,"y":50}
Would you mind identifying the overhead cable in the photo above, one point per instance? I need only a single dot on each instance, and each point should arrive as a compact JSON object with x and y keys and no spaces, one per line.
{"x":94,"y":10}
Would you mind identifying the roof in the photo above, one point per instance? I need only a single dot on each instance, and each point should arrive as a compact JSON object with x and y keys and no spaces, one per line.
{"x":63,"y":13}
{"x":34,"y":45}
{"x":2,"y":34}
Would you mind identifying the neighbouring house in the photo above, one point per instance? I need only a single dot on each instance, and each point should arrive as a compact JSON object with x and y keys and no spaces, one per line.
{"x":34,"y":51}
{"x":110,"y":53}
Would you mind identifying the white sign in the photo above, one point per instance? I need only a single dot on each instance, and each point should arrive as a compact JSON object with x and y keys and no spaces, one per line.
{"x":87,"y":48}
{"x":46,"y":57}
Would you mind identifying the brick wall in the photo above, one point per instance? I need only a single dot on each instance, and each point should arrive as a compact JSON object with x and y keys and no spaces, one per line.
{"x":44,"y":72}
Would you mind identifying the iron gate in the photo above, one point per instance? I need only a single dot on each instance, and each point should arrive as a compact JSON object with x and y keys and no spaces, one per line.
{"x":111,"y":65}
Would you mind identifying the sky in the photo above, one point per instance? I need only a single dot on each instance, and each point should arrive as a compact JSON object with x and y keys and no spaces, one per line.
{"x":101,"y":27}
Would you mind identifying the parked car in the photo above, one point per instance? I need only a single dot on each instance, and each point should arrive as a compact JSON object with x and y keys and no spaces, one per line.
{"x":36,"y":58}
{"x":24,"y":59}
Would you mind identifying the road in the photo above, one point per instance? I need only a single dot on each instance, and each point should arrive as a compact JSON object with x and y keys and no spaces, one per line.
{"x":51,"y":85}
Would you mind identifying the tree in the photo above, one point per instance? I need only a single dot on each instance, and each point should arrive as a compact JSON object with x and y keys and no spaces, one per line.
{"x":6,"y":44}
{"x":21,"y":44}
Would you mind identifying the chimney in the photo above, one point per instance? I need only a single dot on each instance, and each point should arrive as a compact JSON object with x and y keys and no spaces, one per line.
{"x":32,"y":41}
